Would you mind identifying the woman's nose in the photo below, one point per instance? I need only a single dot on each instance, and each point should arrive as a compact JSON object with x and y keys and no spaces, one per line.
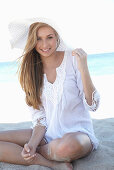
{"x":44,"y":43}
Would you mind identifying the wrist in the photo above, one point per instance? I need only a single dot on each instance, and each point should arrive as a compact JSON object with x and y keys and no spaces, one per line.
{"x":33,"y":144}
{"x":37,"y":135}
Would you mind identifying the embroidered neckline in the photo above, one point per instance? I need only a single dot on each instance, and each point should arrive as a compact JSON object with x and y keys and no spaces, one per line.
{"x":57,"y":71}
{"x":53,"y":91}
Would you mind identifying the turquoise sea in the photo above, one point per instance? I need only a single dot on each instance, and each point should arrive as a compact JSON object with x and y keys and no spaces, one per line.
{"x":99,"y":64}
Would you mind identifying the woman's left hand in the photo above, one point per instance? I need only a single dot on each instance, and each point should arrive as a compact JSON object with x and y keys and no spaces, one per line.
{"x":28,"y":153}
{"x":81,"y":57}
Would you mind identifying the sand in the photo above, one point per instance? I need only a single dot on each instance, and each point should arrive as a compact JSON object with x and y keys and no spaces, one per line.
{"x":14,"y":115}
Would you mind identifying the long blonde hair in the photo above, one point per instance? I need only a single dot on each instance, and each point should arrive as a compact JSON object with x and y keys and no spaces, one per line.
{"x":30,"y":70}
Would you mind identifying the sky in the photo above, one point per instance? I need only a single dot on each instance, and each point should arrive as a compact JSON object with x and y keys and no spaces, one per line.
{"x":87,"y":24}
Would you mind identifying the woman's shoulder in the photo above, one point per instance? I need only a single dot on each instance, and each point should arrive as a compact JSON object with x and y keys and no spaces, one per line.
{"x":66,"y":55}
{"x":69,"y":56}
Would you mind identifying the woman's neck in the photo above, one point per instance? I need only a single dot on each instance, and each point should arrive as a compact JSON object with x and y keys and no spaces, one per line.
{"x":51,"y":61}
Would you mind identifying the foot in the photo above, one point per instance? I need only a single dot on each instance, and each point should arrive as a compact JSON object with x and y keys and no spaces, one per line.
{"x":63,"y":166}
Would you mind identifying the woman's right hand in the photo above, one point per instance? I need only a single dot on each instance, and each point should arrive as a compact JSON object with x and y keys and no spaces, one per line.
{"x":28,"y":153}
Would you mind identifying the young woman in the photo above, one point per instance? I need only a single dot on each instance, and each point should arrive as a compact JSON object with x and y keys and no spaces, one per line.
{"x":59,"y":93}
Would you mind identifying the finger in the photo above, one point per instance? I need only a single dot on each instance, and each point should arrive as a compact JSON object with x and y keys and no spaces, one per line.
{"x":30,"y":157}
{"x":83,"y":51}
{"x":74,"y":53}
{"x":30,"y":160}
{"x":79,"y":52}
{"x":26,"y":155}
{"x":26,"y":147}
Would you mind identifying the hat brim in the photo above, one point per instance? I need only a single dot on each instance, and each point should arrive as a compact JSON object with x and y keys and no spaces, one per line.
{"x":19,"y":31}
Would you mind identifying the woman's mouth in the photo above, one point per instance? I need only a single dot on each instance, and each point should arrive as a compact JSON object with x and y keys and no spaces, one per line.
{"x":45,"y":50}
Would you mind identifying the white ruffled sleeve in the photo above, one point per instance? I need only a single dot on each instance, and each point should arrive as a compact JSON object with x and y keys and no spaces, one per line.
{"x":95,"y":101}
{"x":95,"y":94}
{"x":38,"y":117}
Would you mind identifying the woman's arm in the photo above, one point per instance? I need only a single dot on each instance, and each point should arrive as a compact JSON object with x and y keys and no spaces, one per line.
{"x":29,"y":150}
{"x":37,"y":135}
{"x":39,"y":129}
{"x":88,"y":86}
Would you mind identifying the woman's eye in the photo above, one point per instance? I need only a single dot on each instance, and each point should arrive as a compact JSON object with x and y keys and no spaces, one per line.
{"x":50,"y":37}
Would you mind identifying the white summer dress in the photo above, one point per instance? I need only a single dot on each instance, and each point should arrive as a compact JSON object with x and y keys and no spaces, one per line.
{"x":64,"y":105}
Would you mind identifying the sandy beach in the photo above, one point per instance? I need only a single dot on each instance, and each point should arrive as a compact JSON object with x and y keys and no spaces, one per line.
{"x":14,"y":114}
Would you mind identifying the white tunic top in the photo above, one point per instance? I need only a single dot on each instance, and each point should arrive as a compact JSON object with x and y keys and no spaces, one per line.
{"x":64,"y":105}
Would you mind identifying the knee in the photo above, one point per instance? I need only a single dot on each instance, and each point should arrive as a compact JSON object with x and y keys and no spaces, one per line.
{"x":69,"y":147}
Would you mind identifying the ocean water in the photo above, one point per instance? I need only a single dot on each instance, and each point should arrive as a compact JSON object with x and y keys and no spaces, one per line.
{"x":99,"y":64}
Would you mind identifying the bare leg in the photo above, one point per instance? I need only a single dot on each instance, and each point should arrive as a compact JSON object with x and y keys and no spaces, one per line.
{"x":19,"y":137}
{"x":70,"y":147}
{"x":11,"y":143}
{"x":11,"y":153}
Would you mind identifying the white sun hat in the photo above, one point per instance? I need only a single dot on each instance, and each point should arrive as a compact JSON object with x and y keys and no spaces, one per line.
{"x":19,"y":30}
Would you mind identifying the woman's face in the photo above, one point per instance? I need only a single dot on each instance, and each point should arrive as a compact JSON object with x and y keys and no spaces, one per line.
{"x":46,"y":41}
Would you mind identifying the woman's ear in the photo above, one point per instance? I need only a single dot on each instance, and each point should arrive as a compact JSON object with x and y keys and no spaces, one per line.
{"x":58,"y":42}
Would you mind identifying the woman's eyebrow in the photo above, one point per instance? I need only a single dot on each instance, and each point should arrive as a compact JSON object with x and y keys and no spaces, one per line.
{"x":47,"y":35}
